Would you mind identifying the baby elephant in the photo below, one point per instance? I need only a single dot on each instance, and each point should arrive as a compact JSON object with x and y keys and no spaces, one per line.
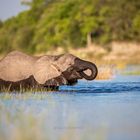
{"x":19,"y":70}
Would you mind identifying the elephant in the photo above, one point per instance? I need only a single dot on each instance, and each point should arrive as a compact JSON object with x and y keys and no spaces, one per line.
{"x":19,"y":70}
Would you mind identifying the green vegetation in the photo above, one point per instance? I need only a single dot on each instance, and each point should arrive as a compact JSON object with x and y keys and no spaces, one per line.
{"x":68,"y":23}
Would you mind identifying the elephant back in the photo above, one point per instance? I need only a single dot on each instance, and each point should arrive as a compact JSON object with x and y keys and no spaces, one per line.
{"x":16,"y":66}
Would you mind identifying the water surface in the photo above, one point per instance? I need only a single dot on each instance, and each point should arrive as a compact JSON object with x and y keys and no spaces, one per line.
{"x":104,"y":110}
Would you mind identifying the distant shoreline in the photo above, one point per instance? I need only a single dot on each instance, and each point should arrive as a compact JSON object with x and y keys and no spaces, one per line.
{"x":118,"y":53}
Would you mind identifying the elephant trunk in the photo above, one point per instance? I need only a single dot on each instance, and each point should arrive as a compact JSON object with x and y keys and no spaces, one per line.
{"x":85,"y":65}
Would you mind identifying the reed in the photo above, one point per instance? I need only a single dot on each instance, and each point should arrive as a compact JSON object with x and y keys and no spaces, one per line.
{"x":105,"y":73}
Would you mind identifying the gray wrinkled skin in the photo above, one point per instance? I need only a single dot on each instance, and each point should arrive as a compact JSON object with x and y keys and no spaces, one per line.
{"x":18,"y":70}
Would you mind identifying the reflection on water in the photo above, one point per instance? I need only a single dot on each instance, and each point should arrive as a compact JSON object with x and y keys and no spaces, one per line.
{"x":89,"y":110}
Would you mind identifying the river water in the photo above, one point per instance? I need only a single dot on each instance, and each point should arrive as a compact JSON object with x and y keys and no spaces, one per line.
{"x":100,"y":110}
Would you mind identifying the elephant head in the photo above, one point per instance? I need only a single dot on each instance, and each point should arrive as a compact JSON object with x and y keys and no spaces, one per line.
{"x":63,"y":70}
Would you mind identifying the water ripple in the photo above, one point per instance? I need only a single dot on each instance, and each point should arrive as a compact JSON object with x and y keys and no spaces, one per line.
{"x":103,"y":87}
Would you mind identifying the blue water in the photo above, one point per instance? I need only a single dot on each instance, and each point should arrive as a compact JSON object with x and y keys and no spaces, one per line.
{"x":108,"y":109}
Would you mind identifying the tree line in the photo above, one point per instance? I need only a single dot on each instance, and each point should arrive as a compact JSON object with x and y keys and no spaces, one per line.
{"x":68,"y":23}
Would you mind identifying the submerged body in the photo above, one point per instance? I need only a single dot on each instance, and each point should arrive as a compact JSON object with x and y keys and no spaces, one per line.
{"x":19,"y":70}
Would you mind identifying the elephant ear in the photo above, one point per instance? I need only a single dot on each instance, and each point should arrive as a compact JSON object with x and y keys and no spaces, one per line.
{"x":45,"y":70}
